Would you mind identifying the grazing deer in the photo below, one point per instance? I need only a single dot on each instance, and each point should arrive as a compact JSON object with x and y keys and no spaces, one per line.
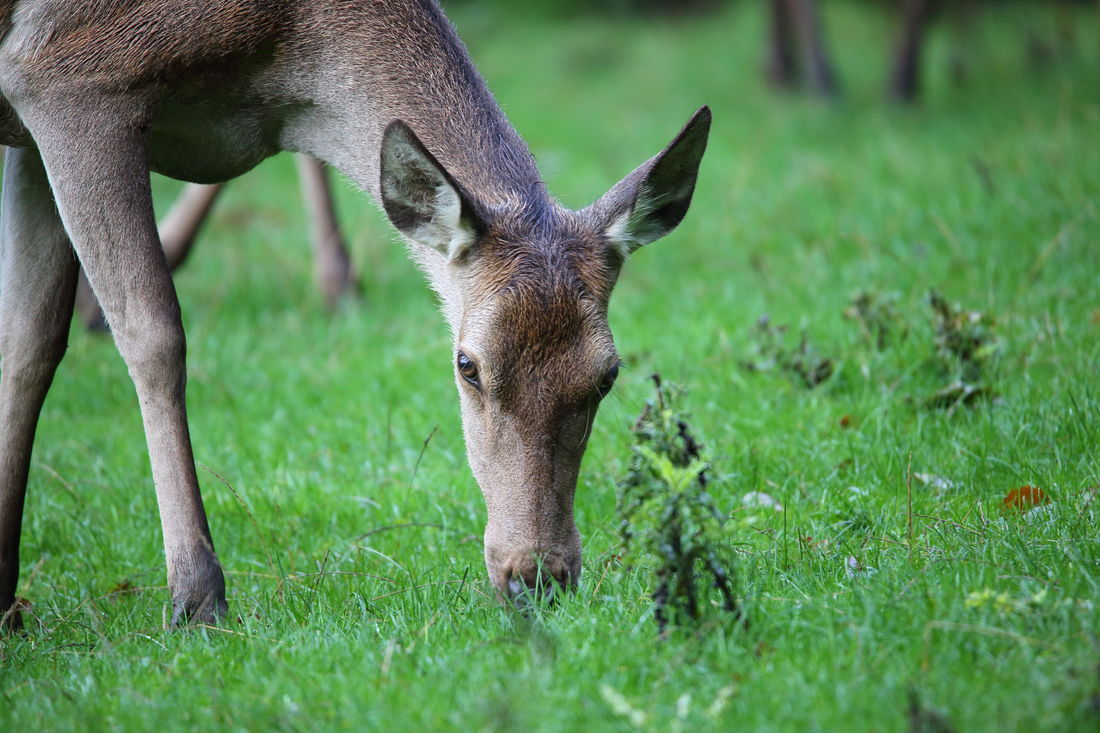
{"x":96,"y":93}
{"x":331,"y":263}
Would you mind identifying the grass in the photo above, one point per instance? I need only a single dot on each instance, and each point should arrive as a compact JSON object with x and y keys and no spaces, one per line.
{"x":333,"y":465}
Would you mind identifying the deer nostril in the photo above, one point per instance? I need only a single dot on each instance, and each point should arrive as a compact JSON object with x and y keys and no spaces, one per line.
{"x":531,"y":580}
{"x":524,"y":595}
{"x":516,"y":588}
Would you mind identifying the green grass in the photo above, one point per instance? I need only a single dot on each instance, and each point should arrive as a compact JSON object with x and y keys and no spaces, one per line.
{"x":353,"y":548}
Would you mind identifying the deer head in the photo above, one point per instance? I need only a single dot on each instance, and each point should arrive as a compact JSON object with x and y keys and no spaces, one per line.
{"x":524,"y":285}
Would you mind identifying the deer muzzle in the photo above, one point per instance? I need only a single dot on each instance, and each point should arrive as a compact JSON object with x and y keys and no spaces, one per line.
{"x":524,"y":572}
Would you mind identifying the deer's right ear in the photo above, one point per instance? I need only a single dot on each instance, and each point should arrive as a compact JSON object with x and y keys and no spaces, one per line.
{"x":421,"y":199}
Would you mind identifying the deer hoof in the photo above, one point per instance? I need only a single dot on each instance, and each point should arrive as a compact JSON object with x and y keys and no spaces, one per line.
{"x":11,"y":621}
{"x":208,"y":611}
{"x":198,"y":593}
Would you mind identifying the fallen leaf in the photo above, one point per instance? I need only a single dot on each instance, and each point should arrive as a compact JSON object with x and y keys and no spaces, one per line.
{"x":958,"y":393}
{"x":1024,"y":498}
{"x":721,"y":699}
{"x":932,"y":481}
{"x":853,"y":568}
{"x":760,"y":499}
{"x":811,"y":543}
{"x":762,"y":648}
{"x":123,"y":587}
{"x":622,"y":707}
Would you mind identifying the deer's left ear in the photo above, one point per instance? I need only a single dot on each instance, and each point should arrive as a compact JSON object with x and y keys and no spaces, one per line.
{"x":421,"y":198}
{"x":650,"y":202}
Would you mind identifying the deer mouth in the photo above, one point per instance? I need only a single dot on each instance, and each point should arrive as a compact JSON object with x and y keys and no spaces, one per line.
{"x":526,"y":578}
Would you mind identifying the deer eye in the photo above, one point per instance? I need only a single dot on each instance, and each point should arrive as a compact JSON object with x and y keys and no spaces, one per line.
{"x":468,"y":369}
{"x":608,"y":380}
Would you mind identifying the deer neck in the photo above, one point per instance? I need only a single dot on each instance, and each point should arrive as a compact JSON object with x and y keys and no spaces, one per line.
{"x":365,"y":69}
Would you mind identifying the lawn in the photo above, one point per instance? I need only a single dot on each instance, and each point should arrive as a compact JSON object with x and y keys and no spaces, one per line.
{"x":893,"y":589}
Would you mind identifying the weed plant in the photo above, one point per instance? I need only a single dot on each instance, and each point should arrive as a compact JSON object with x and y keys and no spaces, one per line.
{"x":669,"y":522}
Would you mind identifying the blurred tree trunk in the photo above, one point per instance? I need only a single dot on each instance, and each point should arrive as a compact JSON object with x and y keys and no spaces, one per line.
{"x":782,"y":62}
{"x":905,"y":74}
{"x":798,"y":47}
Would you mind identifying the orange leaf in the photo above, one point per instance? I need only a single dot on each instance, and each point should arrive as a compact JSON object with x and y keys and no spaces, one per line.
{"x":1025,"y":498}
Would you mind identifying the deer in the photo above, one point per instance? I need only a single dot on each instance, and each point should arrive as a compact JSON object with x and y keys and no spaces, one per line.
{"x":98,"y":93}
{"x":332,"y":270}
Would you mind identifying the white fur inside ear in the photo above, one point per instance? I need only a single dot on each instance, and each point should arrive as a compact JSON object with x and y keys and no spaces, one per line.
{"x":630,"y":230}
{"x":422,"y":203}
{"x":618,"y":235}
{"x":444,"y":231}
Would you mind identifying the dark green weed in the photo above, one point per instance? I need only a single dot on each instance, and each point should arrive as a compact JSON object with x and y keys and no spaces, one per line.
{"x":802,"y":362}
{"x":668,"y":521}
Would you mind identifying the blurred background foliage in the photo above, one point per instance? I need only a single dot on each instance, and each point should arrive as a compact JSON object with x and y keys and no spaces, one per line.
{"x":798,"y":31}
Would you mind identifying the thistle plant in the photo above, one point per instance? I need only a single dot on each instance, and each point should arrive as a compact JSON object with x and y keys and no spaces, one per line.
{"x":966,"y":345}
{"x":771,"y":351}
{"x":669,"y":522}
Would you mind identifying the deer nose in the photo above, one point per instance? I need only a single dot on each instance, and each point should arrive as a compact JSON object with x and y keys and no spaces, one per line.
{"x":532,"y":577}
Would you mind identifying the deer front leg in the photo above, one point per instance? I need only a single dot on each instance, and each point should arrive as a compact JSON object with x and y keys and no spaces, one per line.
{"x":178,"y":232}
{"x":331,"y":263}
{"x":95,"y":157}
{"x":37,"y":278}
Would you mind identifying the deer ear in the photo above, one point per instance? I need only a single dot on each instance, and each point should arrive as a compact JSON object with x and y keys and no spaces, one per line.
{"x":650,"y":202}
{"x":421,"y":199}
